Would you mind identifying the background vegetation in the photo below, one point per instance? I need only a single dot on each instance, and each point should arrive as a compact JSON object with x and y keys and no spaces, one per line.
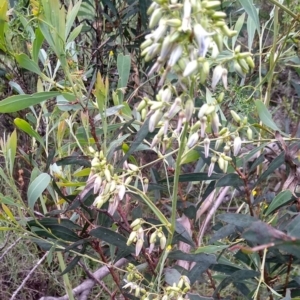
{"x":149,"y":149}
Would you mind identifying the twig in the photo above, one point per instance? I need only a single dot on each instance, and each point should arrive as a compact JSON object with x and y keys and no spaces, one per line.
{"x":215,"y":206}
{"x":28,"y":276}
{"x":9,"y":248}
{"x":87,"y":285}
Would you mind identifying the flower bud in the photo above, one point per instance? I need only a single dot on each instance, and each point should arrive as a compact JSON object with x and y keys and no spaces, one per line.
{"x":155,"y":17}
{"x":210,"y":4}
{"x":250,"y":62}
{"x":162,"y":242}
{"x":175,"y":55}
{"x":138,"y":221}
{"x":146,"y":43}
{"x":221,"y":163}
{"x":202,"y":110}
{"x":217,"y":75}
{"x":215,"y":122}
{"x":165,"y":48}
{"x":212,"y":165}
{"x":193,"y":139}
{"x":107,"y":175}
{"x":249,"y":134}
{"x":97,"y":184}
{"x":152,"y":7}
{"x":235,"y":116}
{"x":131,"y":238}
{"x":166,"y":95}
{"x":191,"y":68}
{"x":154,"y":119}
{"x":242,"y":62}
{"x":206,"y":143}
{"x":141,"y":105}
{"x":204,"y":71}
{"x":173,"y":22}
{"x":189,"y":109}
{"x":121,"y":191}
{"x":138,"y":246}
{"x":237,"y":143}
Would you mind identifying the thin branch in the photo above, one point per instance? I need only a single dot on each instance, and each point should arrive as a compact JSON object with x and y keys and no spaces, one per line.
{"x":87,"y":285}
{"x":28,"y":276}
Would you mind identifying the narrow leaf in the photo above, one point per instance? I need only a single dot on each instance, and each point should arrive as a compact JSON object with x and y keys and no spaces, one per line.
{"x":19,"y":102}
{"x":25,"y":62}
{"x":25,"y":126}
{"x":37,"y":187}
{"x":265,"y":115}
{"x":281,"y":199}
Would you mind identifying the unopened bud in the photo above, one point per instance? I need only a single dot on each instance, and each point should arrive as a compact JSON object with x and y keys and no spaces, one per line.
{"x":191,"y":67}
{"x":249,"y":134}
{"x":235,"y":116}
{"x":155,"y":17}
{"x":189,"y":109}
{"x":237,"y":143}
{"x":193,"y":139}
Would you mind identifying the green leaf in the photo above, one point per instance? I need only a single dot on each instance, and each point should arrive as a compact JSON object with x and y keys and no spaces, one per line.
{"x":211,"y":249}
{"x":12,"y":150}
{"x":190,"y":156}
{"x":48,"y":222}
{"x":265,"y":115}
{"x":71,"y":15}
{"x":143,"y":11}
{"x":237,"y":219}
{"x":76,"y":31}
{"x":64,"y":233}
{"x":274,"y":165}
{"x":79,"y":160}
{"x":250,"y":33}
{"x":112,"y":238}
{"x":237,"y":276}
{"x":123,"y":65}
{"x":238,"y":26}
{"x":198,"y":257}
{"x":222,"y":233}
{"x":25,"y":62}
{"x":281,"y":199}
{"x":230,"y":180}
{"x":37,"y":44}
{"x":19,"y":102}
{"x":293,"y":227}
{"x":37,"y":187}
{"x":251,"y":10}
{"x":25,"y":126}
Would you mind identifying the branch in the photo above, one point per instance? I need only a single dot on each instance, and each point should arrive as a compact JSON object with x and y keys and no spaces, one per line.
{"x":82,"y":290}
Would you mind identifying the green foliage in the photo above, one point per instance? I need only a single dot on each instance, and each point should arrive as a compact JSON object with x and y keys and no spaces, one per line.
{"x":127,"y":149}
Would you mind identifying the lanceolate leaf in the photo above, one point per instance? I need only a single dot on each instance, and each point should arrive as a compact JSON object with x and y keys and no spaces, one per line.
{"x":19,"y":102}
{"x":275,"y":164}
{"x":282,"y":198}
{"x":25,"y":126}
{"x":112,"y":238}
{"x":237,"y":219}
{"x":194,"y":177}
{"x":265,"y":115}
{"x":250,"y":9}
{"x":37,"y":187}
{"x":25,"y":62}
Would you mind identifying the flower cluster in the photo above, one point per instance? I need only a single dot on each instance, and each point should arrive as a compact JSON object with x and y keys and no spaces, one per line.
{"x":134,"y":283}
{"x":108,"y":185}
{"x":136,"y":235}
{"x":186,"y":39}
